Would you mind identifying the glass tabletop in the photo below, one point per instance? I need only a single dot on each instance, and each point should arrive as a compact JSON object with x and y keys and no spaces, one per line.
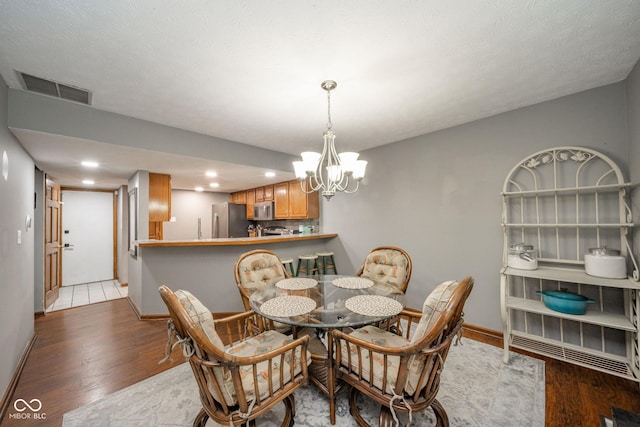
{"x":330,"y":301}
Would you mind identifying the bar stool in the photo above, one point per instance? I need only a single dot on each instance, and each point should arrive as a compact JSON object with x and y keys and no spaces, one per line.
{"x":305,"y":266}
{"x":326,"y":261}
{"x":288,"y":263}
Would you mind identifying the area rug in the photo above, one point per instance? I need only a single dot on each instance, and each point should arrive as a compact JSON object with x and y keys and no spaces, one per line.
{"x":477,"y":389}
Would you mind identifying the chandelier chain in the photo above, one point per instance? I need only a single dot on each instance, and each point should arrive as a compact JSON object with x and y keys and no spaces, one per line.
{"x":329,"y":123}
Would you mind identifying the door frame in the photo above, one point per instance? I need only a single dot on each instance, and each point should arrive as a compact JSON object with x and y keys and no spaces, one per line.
{"x":114,"y":215}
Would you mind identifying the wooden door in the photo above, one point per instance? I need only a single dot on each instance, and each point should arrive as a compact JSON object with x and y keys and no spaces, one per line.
{"x":52,"y":244}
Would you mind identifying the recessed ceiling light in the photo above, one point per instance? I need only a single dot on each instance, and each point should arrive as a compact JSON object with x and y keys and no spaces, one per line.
{"x":199,"y":189}
{"x":211,"y":174}
{"x":214,"y":185}
{"x":89,"y":164}
{"x":88,"y":181}
{"x":269,"y":174}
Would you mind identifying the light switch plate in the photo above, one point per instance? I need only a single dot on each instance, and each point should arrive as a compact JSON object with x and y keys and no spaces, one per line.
{"x":19,"y":237}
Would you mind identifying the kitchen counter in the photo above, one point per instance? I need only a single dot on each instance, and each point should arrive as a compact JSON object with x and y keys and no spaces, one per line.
{"x":205,"y":267}
{"x":236,"y":241}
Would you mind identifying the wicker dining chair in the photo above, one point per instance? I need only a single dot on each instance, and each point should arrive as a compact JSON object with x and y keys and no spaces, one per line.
{"x":244,"y":371}
{"x":255,"y":269}
{"x":387,"y":264}
{"x":402,"y":372}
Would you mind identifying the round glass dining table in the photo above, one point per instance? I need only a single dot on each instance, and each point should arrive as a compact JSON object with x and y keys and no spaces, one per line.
{"x":327,"y":302}
{"x":323,"y":303}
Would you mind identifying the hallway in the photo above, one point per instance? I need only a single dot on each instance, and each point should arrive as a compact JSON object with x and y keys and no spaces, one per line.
{"x":88,"y":293}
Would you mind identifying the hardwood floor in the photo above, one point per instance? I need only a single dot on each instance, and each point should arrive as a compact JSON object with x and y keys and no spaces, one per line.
{"x":85,"y":353}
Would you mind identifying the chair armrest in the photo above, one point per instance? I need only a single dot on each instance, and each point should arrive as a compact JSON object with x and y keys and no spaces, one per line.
{"x":241,"y":326}
{"x":396,"y":351}
{"x":301,"y":342}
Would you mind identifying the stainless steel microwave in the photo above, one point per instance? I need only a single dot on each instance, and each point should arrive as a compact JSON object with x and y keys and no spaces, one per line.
{"x":263,"y":211}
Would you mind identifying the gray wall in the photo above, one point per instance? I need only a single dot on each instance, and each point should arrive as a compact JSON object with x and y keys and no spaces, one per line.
{"x":56,"y":116}
{"x":122,"y":234}
{"x":206,"y":271}
{"x":187,"y":207}
{"x":438,"y":195}
{"x":140,"y":182}
{"x":16,"y":260}
{"x":38,"y":245}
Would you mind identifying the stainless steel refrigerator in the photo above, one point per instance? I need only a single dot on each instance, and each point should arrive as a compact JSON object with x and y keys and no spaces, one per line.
{"x":229,"y":220}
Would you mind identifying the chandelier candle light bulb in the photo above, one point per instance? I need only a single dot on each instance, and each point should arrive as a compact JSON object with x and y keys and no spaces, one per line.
{"x":329,"y":171}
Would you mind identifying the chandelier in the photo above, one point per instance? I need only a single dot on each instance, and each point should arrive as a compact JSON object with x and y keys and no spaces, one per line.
{"x":329,"y":171}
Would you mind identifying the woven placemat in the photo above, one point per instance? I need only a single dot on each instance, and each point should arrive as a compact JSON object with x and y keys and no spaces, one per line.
{"x":297,"y":283}
{"x":287,"y":306}
{"x":352,"y":282}
{"x":373,"y":305}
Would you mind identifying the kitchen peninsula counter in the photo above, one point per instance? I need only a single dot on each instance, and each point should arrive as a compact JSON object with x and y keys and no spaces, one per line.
{"x":237,"y":241}
{"x":205,"y":267}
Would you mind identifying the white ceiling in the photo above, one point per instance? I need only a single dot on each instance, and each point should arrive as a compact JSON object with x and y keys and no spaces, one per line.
{"x":250,"y":71}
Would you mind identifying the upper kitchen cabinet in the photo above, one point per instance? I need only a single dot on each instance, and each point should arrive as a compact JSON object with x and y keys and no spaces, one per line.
{"x":250,"y":199}
{"x":292,"y":202}
{"x":159,"y":197}
{"x":239,"y":197}
{"x":268,"y":193}
{"x":264,"y":194}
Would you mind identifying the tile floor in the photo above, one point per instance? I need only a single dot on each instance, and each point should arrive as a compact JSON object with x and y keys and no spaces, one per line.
{"x":88,"y":293}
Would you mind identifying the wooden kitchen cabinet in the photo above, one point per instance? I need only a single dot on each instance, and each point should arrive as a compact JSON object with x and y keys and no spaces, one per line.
{"x":250,"y":200}
{"x":159,"y":197}
{"x":159,"y":203}
{"x":281,"y":199}
{"x":268,"y":193}
{"x":292,"y":202}
{"x":264,"y":194}
{"x":239,"y":197}
{"x":259,"y":194}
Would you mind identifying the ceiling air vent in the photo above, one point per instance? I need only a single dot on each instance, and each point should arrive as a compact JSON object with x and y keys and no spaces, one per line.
{"x":51,"y":88}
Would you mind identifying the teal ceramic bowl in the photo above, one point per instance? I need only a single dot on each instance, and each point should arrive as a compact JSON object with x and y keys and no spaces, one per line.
{"x":565,"y":302}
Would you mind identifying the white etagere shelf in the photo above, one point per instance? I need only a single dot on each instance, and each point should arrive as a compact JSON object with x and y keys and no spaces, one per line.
{"x":564,"y":200}
{"x":571,"y":275}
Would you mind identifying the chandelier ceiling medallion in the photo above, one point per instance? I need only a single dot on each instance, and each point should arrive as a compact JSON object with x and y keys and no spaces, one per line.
{"x":328,"y":171}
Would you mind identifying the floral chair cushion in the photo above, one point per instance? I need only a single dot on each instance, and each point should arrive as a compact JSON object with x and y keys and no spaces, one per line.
{"x":203,"y":318}
{"x":254,"y":346}
{"x":200,"y":315}
{"x":262,"y":269}
{"x":386,"y":339}
{"x":259,"y":270}
{"x":267,"y":341}
{"x":431,"y":311}
{"x":259,"y":344}
{"x":433,"y":306}
{"x":386,"y":266}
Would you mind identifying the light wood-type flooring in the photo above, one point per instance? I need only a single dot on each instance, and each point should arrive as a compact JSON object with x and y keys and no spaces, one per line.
{"x":84,"y":353}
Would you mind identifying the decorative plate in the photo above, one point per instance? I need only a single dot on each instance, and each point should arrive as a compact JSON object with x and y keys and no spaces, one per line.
{"x":352,"y":283}
{"x":287,"y":306}
{"x":373,"y":305}
{"x":297,"y":283}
